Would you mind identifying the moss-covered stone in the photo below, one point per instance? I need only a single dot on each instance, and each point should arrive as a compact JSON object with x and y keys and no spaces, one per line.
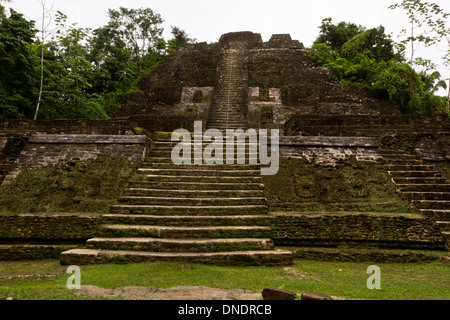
{"x":91,"y":186}
{"x":350,"y":186}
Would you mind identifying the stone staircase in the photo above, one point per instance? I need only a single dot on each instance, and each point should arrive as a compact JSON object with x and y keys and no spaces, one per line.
{"x":193,"y":213}
{"x":229,"y":107}
{"x":422,"y":186}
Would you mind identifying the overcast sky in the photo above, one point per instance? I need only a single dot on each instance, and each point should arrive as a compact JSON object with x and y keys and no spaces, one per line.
{"x":207,"y":20}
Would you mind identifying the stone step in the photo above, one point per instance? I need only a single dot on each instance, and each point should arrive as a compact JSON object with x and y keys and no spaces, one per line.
{"x":431,"y":204}
{"x":443,"y":225}
{"x":261,"y":220}
{"x":207,"y":179}
{"x":190,"y":210}
{"x":171,"y":144}
{"x":200,"y":166}
{"x":446,"y":236}
{"x":424,"y":187}
{"x":211,"y":201}
{"x":427,"y":195}
{"x":237,"y":113}
{"x":168,"y":153}
{"x":404,"y":162}
{"x":415,"y":174}
{"x":228,"y":120}
{"x":201,"y":172}
{"x":409,"y":167}
{"x":390,"y":152}
{"x":240,"y":258}
{"x":196,"y":185}
{"x":436,"y":214}
{"x":225,"y":125}
{"x":192,"y":193}
{"x":207,"y":144}
{"x":111,"y":230}
{"x":420,"y":180}
{"x":179,"y":245}
{"x":168,"y":160}
{"x":395,"y":156}
{"x":217,"y":121}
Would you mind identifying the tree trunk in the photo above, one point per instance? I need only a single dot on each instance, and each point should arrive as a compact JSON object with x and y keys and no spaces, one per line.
{"x":42,"y":64}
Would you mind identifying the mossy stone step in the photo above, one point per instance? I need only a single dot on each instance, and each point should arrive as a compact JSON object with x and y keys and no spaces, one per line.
{"x":192,"y":193}
{"x":415,"y":174}
{"x":419,"y":180}
{"x":404,"y":162}
{"x":171,"y":165}
{"x":423,"y":187}
{"x":194,"y":178}
{"x":236,"y":146}
{"x":431,"y":204}
{"x":237,"y":258}
{"x":168,"y":160}
{"x":190,"y":210}
{"x":262,"y":220}
{"x":196,"y":185}
{"x":168,"y":153}
{"x":202,"y":172}
{"x":143,"y":200}
{"x":184,"y":232}
{"x":427,"y":195}
{"x":436,"y":214}
{"x":394,"y":156}
{"x":179,"y":245}
{"x":409,"y":167}
{"x":444,"y":225}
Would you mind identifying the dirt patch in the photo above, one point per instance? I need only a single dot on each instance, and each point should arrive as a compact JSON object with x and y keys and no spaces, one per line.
{"x":176,"y":293}
{"x":293,"y":274}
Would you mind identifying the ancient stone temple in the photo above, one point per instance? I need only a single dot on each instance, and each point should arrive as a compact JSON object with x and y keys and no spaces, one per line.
{"x":243,"y":82}
{"x":357,"y":179}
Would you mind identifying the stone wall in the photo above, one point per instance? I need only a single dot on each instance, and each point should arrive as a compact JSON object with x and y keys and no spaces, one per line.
{"x":374,"y":126}
{"x":329,"y":150}
{"x":53,"y":149}
{"x":383,"y":230}
{"x":434,"y":150}
{"x":43,"y":227}
{"x":117,"y":126}
{"x":29,"y":237}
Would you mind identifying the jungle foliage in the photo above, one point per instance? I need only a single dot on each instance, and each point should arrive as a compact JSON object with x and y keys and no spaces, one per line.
{"x":85,"y":72}
{"x":368,"y":59}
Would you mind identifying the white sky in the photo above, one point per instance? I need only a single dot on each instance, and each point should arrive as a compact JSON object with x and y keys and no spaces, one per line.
{"x":207,"y":20}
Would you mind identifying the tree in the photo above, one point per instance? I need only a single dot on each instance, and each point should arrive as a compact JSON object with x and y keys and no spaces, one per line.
{"x":140,"y":29}
{"x":374,"y":41}
{"x":337,"y":35}
{"x":369,"y":61}
{"x":18,"y":72}
{"x":67,"y":91}
{"x":432,"y":22}
{"x":180,"y":39}
{"x":46,"y":20}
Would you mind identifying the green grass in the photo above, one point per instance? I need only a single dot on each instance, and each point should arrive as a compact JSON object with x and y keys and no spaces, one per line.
{"x":47,"y":279}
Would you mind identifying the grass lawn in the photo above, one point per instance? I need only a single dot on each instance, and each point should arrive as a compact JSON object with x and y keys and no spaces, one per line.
{"x":46,"y":280}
